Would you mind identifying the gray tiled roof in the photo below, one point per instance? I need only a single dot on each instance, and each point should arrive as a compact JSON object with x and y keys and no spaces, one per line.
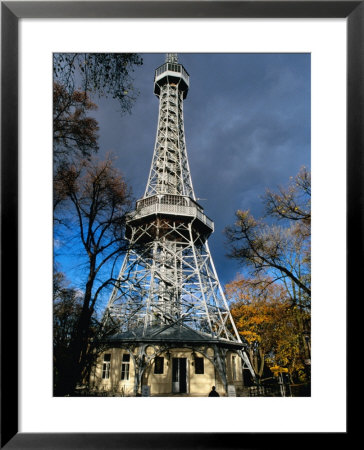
{"x":169,"y":333}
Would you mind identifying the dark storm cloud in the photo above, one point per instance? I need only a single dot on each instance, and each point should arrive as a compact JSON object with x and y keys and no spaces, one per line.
{"x":247,"y":126}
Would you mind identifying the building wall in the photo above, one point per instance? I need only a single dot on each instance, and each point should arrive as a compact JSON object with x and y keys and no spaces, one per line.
{"x":196,"y":383}
{"x":161,"y":383}
{"x":113,"y":382}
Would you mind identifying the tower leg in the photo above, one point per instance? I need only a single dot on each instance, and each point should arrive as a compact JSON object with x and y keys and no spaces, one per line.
{"x":246,"y":360}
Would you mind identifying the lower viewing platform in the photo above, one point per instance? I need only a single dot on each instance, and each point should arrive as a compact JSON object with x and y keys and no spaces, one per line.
{"x":170,"y":205}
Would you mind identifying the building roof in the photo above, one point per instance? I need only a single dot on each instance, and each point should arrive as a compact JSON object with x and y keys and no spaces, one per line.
{"x":174,"y":333}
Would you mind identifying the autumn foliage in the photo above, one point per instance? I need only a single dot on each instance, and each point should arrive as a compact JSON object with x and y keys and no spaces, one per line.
{"x":266,"y":319}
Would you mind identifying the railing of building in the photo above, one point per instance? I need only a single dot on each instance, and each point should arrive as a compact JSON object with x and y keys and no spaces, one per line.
{"x":169,"y":67}
{"x":171,"y":204}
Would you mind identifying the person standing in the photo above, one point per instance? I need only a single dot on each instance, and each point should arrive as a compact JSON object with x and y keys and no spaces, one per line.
{"x":213,"y":392}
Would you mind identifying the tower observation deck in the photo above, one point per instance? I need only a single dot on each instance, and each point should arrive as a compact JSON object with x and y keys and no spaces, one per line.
{"x":168,"y":289}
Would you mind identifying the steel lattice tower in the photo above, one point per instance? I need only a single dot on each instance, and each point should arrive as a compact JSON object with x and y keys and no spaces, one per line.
{"x":168,"y":280}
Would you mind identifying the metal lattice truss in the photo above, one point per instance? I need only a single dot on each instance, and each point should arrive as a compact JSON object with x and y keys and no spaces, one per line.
{"x":171,"y":282}
{"x":169,"y":171}
{"x":168,"y":279}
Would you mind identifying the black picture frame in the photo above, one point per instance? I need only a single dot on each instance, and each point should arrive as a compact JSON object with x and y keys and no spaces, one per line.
{"x":11,"y":12}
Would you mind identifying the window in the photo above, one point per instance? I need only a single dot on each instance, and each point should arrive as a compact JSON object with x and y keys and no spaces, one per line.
{"x":174,"y":67}
{"x":125,"y":365}
{"x":199,"y":366}
{"x":158,"y":364}
{"x":106,"y":366}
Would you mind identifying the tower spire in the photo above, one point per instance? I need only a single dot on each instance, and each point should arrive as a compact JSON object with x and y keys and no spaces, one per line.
{"x":170,"y":172}
{"x":172,"y":58}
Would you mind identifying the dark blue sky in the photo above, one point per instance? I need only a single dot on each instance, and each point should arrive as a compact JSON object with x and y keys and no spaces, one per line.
{"x":247,"y":128}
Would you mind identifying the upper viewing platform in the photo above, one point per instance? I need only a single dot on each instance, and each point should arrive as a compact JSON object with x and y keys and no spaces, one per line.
{"x":172,"y":73}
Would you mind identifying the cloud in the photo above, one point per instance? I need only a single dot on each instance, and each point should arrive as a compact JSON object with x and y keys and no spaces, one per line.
{"x":247,"y":125}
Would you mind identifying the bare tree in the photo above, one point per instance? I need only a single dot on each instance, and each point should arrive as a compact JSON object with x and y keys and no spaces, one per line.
{"x":100,"y":74}
{"x":91,"y":203}
{"x":74,"y":131}
{"x":281,"y":251}
{"x":79,"y":78}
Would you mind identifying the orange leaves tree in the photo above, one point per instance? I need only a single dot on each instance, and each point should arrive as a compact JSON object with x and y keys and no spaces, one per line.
{"x":275,"y":251}
{"x":265,"y":318}
{"x":91,"y":203}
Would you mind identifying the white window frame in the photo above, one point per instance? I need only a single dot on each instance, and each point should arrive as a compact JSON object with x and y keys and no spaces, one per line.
{"x":125,"y":368}
{"x":106,"y":366}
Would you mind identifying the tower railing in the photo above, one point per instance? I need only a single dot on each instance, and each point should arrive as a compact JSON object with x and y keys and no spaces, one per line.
{"x":158,"y":207}
{"x":170,"y":67}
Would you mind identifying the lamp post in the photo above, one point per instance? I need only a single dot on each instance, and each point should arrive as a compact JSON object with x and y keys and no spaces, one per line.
{"x":278,"y":372}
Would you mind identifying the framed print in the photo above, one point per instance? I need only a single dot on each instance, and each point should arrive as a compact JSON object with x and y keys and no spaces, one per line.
{"x":332,"y":33}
